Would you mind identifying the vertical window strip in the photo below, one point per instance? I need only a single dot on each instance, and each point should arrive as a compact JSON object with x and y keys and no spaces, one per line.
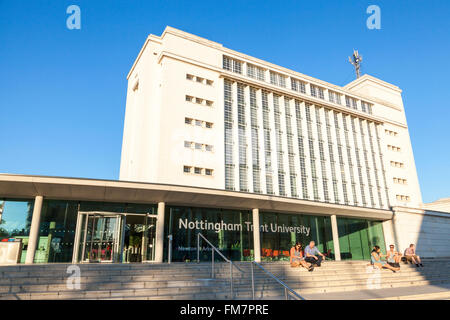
{"x":279,"y":145}
{"x":291,"y":155}
{"x":228,"y":119}
{"x":332,"y":159}
{"x":375,"y":167}
{"x":267,"y":143}
{"x":301,"y":150}
{"x":341,"y":158}
{"x":255,"y":141}
{"x":366,"y":161}
{"x":243,"y":180}
{"x":358,"y":162}
{"x":350,"y":162}
{"x":311,"y":152}
{"x":377,"y":136}
{"x":322,"y":156}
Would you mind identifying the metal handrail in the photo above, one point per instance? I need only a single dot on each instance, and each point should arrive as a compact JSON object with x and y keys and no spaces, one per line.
{"x":212,"y":260}
{"x":287,"y":289}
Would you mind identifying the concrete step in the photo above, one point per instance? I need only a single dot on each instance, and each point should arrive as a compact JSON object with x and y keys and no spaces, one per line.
{"x":190,"y":280}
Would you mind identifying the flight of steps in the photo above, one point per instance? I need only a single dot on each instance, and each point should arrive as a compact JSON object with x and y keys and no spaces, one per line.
{"x":193,"y":281}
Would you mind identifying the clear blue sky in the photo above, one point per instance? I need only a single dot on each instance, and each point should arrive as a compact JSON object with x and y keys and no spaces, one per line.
{"x":63,"y":92}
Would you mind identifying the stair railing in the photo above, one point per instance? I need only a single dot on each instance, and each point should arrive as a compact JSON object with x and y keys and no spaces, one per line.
{"x":214,"y":249}
{"x":288,"y":292}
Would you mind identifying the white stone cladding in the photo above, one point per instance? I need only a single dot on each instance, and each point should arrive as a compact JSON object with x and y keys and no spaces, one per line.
{"x":177,"y":66}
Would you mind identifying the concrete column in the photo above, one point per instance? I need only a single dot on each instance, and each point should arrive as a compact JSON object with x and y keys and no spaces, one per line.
{"x":334,"y":229}
{"x":33,"y":238}
{"x":256,"y":237}
{"x":159,"y":241}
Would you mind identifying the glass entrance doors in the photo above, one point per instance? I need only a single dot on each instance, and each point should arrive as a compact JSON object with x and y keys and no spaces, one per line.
{"x":98,"y":237}
{"x":114,"y":237}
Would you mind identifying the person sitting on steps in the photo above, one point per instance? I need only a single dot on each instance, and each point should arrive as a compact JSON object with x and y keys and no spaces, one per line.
{"x":378,"y":263}
{"x":311,"y":253}
{"x":410,"y":255}
{"x":393,"y":257}
{"x":297,"y":258}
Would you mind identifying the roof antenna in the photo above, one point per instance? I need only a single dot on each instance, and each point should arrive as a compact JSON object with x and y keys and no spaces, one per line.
{"x":356,"y":60}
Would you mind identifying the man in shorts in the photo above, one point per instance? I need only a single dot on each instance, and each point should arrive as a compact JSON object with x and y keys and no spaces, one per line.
{"x":410,"y":255}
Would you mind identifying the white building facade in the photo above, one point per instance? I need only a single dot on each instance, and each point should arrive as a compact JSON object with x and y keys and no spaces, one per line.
{"x":200,"y":114}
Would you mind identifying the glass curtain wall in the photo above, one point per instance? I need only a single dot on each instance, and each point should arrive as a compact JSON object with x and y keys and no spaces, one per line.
{"x":357,"y":238}
{"x":279,"y":232}
{"x":15,"y":221}
{"x":58,"y":225}
{"x":229,"y":230}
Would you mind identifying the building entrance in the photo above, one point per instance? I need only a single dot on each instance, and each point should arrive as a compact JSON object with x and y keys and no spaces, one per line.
{"x":114,"y":237}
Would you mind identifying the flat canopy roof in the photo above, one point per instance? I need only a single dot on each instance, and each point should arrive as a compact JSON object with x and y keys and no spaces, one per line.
{"x":81,"y":189}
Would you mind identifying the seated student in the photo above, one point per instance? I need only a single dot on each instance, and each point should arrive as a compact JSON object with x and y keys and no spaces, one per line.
{"x":378,"y":263}
{"x":311,"y":253}
{"x":410,"y":255}
{"x":393,"y":257}
{"x":298,"y":259}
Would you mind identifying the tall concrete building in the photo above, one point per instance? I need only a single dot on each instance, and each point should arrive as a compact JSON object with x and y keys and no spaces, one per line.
{"x":200,"y":114}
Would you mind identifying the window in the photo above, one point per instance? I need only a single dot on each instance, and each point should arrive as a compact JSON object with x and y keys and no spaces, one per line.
{"x":189,"y":77}
{"x":237,"y":66}
{"x":298,"y":85}
{"x":199,"y":79}
{"x":316,"y":91}
{"x":251,"y":70}
{"x":231,"y":64}
{"x":187,"y":169}
{"x":261,"y":74}
{"x":390,"y":133}
{"x":227,"y":63}
{"x":208,"y":172}
{"x":209,"y":103}
{"x":188,"y":120}
{"x":334,"y":97}
{"x":209,"y":82}
{"x":397,"y":164}
{"x":187,"y":144}
{"x":197,"y":170}
{"x":198,"y":123}
{"x":208,"y":147}
{"x":277,"y":79}
{"x":208,"y":125}
{"x":199,"y":100}
{"x":189,"y":98}
{"x":401,"y":197}
{"x":400,"y":181}
{"x":198,"y":146}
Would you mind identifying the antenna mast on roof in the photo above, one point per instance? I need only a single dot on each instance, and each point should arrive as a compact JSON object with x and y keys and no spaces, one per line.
{"x":356,"y":60}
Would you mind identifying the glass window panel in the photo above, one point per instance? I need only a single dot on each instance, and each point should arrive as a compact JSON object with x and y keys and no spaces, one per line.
{"x":15,"y":221}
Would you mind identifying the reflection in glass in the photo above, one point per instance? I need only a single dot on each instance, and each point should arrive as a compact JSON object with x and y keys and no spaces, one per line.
{"x":15,"y":221}
{"x":279,"y":232}
{"x":228,"y":230}
{"x":357,"y":238}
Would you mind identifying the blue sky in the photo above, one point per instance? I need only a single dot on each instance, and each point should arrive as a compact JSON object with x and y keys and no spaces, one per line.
{"x":63,"y":92}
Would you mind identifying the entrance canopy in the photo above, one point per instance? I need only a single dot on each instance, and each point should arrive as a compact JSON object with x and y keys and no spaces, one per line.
{"x":28,"y":186}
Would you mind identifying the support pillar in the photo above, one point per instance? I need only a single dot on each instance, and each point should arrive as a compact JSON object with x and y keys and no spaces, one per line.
{"x":33,"y":238}
{"x":256,"y":236}
{"x":334,"y":229}
{"x":159,"y":241}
